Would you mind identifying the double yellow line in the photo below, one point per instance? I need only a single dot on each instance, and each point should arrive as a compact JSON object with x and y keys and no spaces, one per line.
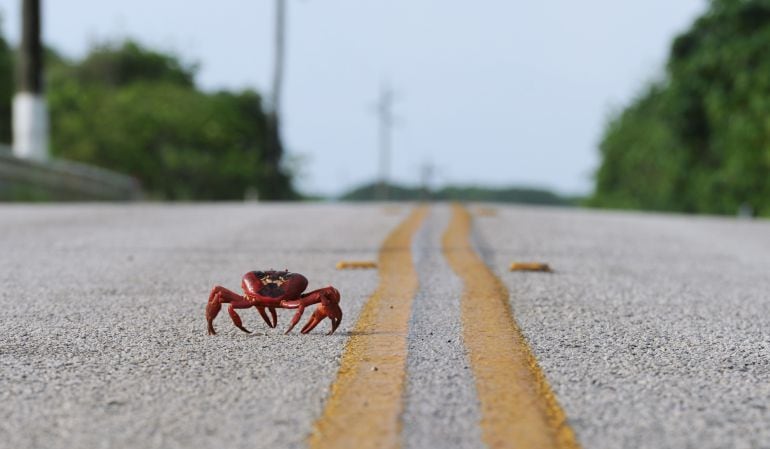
{"x":518,"y":408}
{"x":364,"y":407}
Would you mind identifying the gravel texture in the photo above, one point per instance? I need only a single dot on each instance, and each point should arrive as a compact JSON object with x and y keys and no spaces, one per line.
{"x":654,"y":330}
{"x":103,"y":339}
{"x":441,"y":408}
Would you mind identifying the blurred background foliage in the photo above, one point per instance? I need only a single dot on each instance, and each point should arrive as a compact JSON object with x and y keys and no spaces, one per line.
{"x":521,"y":195}
{"x":137,"y":111}
{"x":699,"y":139}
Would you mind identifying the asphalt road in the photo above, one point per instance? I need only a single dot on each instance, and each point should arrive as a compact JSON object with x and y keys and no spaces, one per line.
{"x":653,"y":331}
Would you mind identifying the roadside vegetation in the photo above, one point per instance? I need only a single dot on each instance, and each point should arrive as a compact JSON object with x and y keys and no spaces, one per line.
{"x":520,"y":195}
{"x":695,"y":140}
{"x":138,"y":111}
{"x":698,"y":140}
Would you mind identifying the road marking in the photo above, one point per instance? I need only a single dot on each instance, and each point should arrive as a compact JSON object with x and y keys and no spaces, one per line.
{"x":530,"y":266}
{"x":441,"y":409}
{"x":366,"y":400}
{"x":518,"y":408}
{"x":356,"y":264}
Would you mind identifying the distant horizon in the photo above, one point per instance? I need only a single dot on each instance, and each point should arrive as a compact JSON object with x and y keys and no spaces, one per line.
{"x":416,"y":185}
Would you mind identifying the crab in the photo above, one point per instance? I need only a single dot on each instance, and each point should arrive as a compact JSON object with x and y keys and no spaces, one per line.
{"x":276,"y":289}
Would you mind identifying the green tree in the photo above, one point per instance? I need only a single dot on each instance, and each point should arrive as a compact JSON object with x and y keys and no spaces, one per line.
{"x":137,"y":111}
{"x":642,"y":162}
{"x":119,"y":65}
{"x":699,"y":141}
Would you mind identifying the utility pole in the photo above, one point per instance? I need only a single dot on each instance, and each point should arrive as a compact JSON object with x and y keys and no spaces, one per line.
{"x":275,"y":183}
{"x":385,"y":116}
{"x":30,"y":114}
{"x":280,"y":50}
{"x":426,"y":180}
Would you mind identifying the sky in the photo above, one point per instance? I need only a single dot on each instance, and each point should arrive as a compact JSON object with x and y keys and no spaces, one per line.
{"x":492,"y":92}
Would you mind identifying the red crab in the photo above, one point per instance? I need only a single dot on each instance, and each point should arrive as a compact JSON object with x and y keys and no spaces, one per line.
{"x":276,"y":289}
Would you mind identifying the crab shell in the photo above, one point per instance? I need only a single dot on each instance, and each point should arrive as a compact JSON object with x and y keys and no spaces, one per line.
{"x":275,"y":285}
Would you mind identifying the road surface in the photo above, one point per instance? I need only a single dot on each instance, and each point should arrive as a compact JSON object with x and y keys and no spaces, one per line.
{"x":652,"y":331}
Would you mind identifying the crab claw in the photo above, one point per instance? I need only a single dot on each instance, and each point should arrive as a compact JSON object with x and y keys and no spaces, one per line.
{"x":327,"y":298}
{"x":328,"y":308}
{"x":317,"y":318}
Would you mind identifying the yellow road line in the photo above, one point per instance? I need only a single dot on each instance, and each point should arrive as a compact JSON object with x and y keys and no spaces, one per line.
{"x":530,"y":266}
{"x":365,"y":404}
{"x":518,"y":408}
{"x":356,"y":264}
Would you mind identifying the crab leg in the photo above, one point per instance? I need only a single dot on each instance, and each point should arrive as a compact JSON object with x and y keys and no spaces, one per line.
{"x":295,"y":319}
{"x":218,"y":296}
{"x":274,"y":315}
{"x":243,"y":304}
{"x":261,"y":310}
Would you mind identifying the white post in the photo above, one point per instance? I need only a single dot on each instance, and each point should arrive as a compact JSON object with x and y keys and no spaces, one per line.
{"x":30,"y":114}
{"x":30,"y":126}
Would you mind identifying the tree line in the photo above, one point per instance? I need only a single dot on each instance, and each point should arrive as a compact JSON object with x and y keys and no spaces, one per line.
{"x":520,"y":195}
{"x":698,"y":140}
